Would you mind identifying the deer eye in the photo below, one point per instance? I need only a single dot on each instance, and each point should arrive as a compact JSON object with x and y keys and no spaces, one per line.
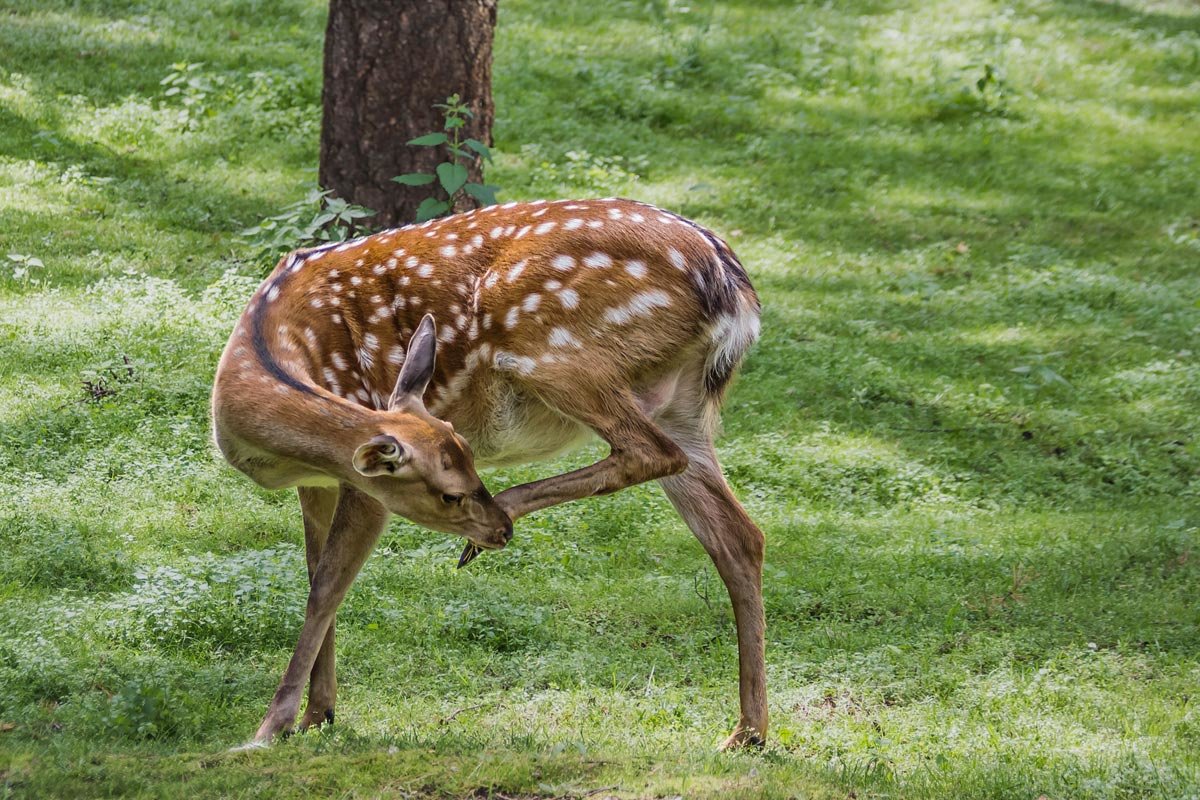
{"x":452,"y":499}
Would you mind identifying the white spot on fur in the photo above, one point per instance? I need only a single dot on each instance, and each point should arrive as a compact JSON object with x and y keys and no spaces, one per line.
{"x":544,"y":228}
{"x":395,"y":355}
{"x":523,"y":231}
{"x":316,"y":302}
{"x":563,"y":263}
{"x":553,"y":285}
{"x":676,"y":258}
{"x":495,"y":234}
{"x":598,"y":260}
{"x":272,"y":293}
{"x":636,"y":268}
{"x":615,"y":213}
{"x":640,"y":305}
{"x":516,"y":270}
{"x":508,"y":362}
{"x":510,"y":319}
{"x":569,"y":298}
{"x":572,"y":224}
{"x":561,"y":337}
{"x":339,"y":361}
{"x":411,"y":262}
{"x":449,"y":251}
{"x":491,"y":279}
{"x":447,"y":334}
{"x":596,"y":223}
{"x":530,"y":303}
{"x":425,"y":271}
{"x":355,"y":280}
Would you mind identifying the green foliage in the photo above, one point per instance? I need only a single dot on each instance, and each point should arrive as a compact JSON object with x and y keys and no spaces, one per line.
{"x":192,"y":88}
{"x":318,"y":218}
{"x":211,"y":602}
{"x":19,"y":267}
{"x":451,"y":175}
{"x":141,"y":710}
{"x":981,"y":581}
{"x":578,"y":168}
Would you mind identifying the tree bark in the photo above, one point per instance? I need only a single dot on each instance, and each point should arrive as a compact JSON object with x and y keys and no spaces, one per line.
{"x":386,"y":63}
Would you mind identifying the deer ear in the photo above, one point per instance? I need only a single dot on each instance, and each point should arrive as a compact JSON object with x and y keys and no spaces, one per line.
{"x":383,"y":455}
{"x":418,"y":366}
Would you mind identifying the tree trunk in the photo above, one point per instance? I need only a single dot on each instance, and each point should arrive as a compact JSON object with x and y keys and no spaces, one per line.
{"x":386,"y":63}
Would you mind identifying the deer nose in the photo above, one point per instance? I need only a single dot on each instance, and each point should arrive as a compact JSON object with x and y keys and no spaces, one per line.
{"x":506,"y":531}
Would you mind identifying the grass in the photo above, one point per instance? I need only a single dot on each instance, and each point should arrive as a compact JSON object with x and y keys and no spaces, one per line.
{"x":969,"y":431}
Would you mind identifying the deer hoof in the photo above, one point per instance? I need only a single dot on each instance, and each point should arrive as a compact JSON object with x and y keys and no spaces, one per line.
{"x":743,"y":739}
{"x":316,"y":717}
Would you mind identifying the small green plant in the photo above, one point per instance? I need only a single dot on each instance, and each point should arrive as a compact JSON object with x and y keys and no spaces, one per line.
{"x":141,"y":709}
{"x":20,"y":266}
{"x":1038,"y":375}
{"x":985,"y":96}
{"x":451,"y":174}
{"x":318,"y":218}
{"x":101,"y":381}
{"x":579,"y":170}
{"x":193,"y":87}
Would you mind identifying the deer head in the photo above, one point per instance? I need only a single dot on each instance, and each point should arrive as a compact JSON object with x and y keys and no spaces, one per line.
{"x":418,"y":467}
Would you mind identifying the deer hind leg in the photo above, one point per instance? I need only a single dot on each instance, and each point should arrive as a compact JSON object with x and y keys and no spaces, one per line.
{"x":640,"y":451}
{"x":317,"y":505}
{"x":357,"y":523}
{"x":735,"y":544}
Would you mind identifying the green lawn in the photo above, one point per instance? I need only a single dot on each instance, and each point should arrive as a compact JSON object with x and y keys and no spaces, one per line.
{"x":970,"y":430}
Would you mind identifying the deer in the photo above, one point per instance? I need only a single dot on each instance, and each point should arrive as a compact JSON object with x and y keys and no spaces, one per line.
{"x":377,"y":375}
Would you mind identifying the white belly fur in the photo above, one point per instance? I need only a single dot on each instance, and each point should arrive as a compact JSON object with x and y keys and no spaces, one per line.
{"x":520,"y":429}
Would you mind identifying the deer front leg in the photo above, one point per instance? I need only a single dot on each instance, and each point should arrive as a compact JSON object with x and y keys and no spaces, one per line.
{"x":640,"y":452}
{"x":317,"y":505}
{"x":356,"y":526}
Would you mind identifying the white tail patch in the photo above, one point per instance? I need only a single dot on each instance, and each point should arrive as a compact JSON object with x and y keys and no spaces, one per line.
{"x":731,"y":336}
